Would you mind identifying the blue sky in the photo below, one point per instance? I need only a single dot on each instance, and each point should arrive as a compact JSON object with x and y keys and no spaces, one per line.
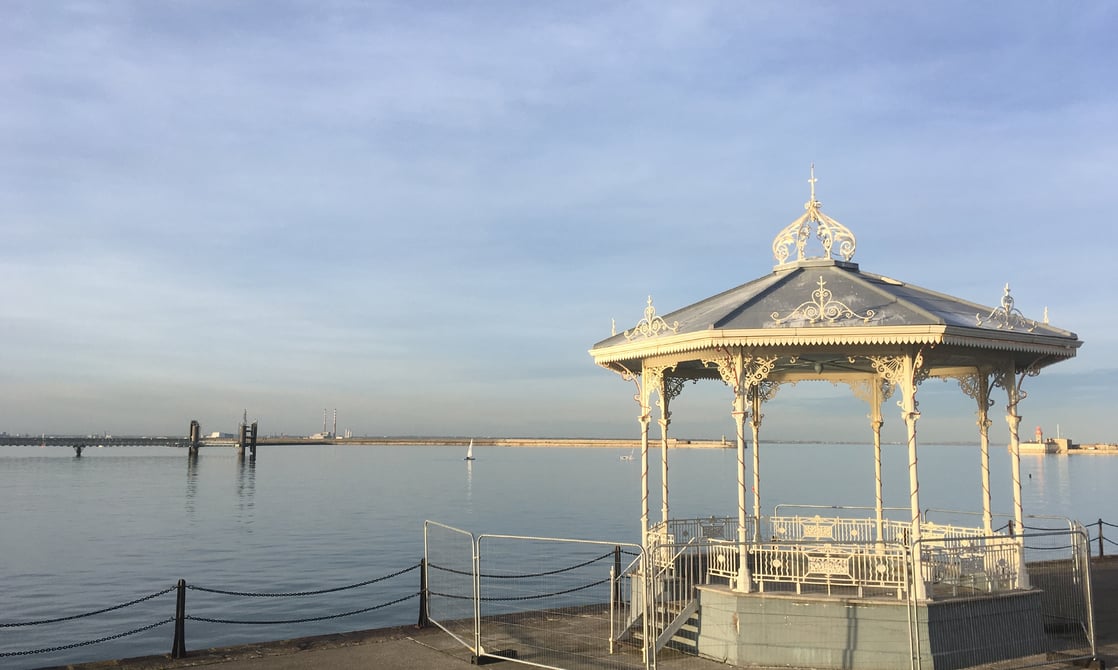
{"x":424,"y":214}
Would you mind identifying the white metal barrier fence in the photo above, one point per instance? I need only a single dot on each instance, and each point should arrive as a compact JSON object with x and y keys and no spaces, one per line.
{"x":449,"y":559}
{"x":560,"y":603}
{"x":571,"y":604}
{"x":546,"y":602}
{"x":1050,"y":623}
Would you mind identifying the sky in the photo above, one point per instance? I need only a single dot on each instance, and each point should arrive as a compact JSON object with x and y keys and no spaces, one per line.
{"x":424,"y":214}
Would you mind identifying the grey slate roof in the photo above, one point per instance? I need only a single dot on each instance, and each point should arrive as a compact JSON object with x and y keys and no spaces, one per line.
{"x":893,"y":303}
{"x":788,"y":301}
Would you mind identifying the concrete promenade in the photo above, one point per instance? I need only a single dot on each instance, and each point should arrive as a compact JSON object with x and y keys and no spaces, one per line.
{"x":411,"y":648}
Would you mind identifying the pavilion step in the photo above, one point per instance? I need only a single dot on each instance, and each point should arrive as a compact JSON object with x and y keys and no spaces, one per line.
{"x":685,"y":639}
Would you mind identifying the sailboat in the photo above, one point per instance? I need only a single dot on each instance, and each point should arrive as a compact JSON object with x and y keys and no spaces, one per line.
{"x":470,"y":451}
{"x":630,"y":456}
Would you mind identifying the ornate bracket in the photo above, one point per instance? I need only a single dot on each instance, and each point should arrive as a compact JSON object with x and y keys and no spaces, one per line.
{"x":666,"y":387}
{"x":863,"y":389}
{"x":1006,"y":316}
{"x":1006,"y":378}
{"x":892,"y":371}
{"x":754,"y":373}
{"x":822,"y":306}
{"x":889,"y":367}
{"x":628,"y":375}
{"x":651,"y":325}
{"x":978,"y":386}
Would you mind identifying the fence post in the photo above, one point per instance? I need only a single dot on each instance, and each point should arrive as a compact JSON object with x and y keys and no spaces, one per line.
{"x":1100,"y":538}
{"x":424,"y":621}
{"x":617,"y":572}
{"x":178,"y":646}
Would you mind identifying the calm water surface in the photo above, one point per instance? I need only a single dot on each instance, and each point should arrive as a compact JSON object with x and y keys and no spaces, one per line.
{"x":121,"y":523}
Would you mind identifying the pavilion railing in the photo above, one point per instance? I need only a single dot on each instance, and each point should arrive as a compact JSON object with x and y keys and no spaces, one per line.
{"x":848,"y":568}
{"x":845,"y":555}
{"x":834,"y":529}
{"x":709,"y":528}
{"x":957,"y":565}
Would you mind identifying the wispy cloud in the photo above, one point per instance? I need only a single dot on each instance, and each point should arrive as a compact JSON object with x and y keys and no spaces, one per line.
{"x":412,"y":206}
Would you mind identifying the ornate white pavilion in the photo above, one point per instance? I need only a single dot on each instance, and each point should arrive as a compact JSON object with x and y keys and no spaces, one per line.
{"x":822,"y":318}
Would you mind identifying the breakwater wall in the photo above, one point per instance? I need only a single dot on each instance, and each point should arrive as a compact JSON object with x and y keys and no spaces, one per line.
{"x":576,"y":443}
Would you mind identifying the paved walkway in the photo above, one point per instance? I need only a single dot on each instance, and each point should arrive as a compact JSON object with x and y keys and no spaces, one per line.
{"x":410,"y":648}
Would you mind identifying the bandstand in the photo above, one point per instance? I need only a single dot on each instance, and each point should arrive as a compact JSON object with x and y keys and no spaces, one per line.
{"x":863,"y":588}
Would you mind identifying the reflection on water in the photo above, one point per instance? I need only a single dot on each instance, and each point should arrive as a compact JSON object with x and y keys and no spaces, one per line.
{"x":469,"y":482}
{"x":246,"y":490}
{"x":1050,"y":481}
{"x":246,"y":480}
{"x":191,"y":480}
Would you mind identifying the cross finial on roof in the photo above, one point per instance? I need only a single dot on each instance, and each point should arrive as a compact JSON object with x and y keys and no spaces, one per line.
{"x":812,"y":181}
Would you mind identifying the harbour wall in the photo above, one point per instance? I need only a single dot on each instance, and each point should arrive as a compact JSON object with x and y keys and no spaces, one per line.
{"x":673,"y":443}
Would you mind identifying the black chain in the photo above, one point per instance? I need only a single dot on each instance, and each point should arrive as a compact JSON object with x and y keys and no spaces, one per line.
{"x":449,"y":595}
{"x":294,"y":594}
{"x":307,"y":620}
{"x":524,"y":576}
{"x":550,"y":572}
{"x":547,"y":595}
{"x":79,"y":616}
{"x":48,"y":650}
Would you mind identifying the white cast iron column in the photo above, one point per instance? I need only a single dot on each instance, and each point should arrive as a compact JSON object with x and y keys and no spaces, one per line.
{"x":983,"y":398}
{"x":876,"y":422}
{"x":911,"y":364}
{"x":1013,"y":391}
{"x":739,"y":423}
{"x":755,"y":425}
{"x":664,"y":421}
{"x":644,"y":420}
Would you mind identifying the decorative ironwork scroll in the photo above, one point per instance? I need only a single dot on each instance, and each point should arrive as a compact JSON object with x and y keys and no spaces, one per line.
{"x":828,"y":231}
{"x":889,"y":367}
{"x":724,"y":365}
{"x":651,"y":325}
{"x":666,"y":387}
{"x":755,"y":371}
{"x":977,"y":386}
{"x":1006,"y":378}
{"x":892,"y":368}
{"x":864,"y":391}
{"x":1006,"y":316}
{"x":766,"y":390}
{"x":822,"y":306}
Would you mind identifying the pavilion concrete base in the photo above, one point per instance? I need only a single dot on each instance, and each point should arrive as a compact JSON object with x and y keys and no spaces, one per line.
{"x":779,"y":629}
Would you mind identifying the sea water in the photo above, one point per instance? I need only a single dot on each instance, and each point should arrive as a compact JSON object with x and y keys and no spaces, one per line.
{"x":123,"y":523}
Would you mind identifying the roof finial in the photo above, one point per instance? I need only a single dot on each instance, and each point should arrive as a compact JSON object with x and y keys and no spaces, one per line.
{"x":812,"y":181}
{"x":828,"y":231}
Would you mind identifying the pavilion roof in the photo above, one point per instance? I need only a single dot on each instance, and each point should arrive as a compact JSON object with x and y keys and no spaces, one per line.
{"x":823,"y":304}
